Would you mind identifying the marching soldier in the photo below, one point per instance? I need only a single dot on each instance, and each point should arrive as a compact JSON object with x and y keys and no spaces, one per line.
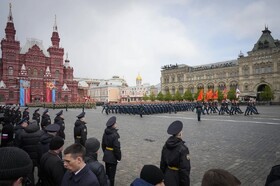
{"x":175,"y":159}
{"x":80,"y":129}
{"x":111,"y":148}
{"x":59,"y":119}
{"x":36,"y":116}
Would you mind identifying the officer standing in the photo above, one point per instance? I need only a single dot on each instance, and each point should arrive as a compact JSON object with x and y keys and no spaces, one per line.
{"x":36,"y":116}
{"x":80,"y":129}
{"x":59,"y":119}
{"x":198,"y":110}
{"x":25,"y":114}
{"x":111,"y":148}
{"x":46,"y":119}
{"x":175,"y":159}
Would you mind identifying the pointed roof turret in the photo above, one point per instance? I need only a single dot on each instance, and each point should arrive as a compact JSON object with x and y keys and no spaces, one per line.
{"x":55,"y":25}
{"x":23,"y":71}
{"x":10,"y":17}
{"x":48,"y":72}
{"x":2,"y":84}
{"x":65,"y":87}
{"x":55,"y":36}
{"x":265,"y":41}
{"x":67,"y":62}
{"x":10,"y":29}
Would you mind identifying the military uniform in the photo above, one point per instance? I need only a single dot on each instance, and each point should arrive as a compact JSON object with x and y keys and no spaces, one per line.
{"x":175,"y":159}
{"x":60,"y":121}
{"x":25,"y":114}
{"x":46,"y":120}
{"x":111,"y":148}
{"x":36,"y":116}
{"x":198,"y":111}
{"x":80,"y":130}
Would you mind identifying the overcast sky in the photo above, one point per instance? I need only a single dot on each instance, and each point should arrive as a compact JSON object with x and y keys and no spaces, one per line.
{"x":104,"y":38}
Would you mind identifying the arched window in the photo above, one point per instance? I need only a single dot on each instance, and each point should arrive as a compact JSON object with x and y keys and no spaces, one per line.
{"x":41,"y":73}
{"x":181,"y":89}
{"x":56,"y":74}
{"x":35,"y":72}
{"x":173,"y":90}
{"x":10,"y":71}
{"x":29,"y":72}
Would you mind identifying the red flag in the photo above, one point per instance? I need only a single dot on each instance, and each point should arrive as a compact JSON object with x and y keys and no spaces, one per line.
{"x":27,"y":95}
{"x":209,"y":94}
{"x":215,"y":95}
{"x":200,"y":95}
{"x":48,"y":93}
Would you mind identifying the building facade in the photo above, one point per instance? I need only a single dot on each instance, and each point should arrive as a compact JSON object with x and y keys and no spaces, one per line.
{"x":32,"y":74}
{"x":250,"y":74}
{"x":135,"y":93}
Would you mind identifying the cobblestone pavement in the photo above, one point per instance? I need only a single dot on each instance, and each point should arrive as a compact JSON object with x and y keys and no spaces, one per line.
{"x":247,"y":146}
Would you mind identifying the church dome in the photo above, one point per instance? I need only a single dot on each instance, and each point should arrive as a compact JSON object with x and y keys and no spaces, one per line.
{"x":139,"y":78}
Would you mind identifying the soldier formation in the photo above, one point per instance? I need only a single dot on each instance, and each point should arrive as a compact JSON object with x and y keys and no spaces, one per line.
{"x":79,"y":165}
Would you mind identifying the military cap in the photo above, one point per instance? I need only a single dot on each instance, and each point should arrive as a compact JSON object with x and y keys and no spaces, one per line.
{"x":22,"y":121}
{"x":52,"y":128}
{"x":175,"y":127}
{"x":37,"y":110}
{"x":26,"y":108}
{"x":45,"y":111}
{"x":111,"y":121}
{"x":81,"y":115}
{"x":59,"y":113}
{"x":18,"y":109}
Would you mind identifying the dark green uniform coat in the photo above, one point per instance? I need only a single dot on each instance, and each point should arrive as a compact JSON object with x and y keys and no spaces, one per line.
{"x":175,"y":162}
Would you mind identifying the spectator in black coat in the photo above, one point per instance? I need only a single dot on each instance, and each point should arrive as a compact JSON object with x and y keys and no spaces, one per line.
{"x":59,"y":119}
{"x":214,"y":177}
{"x":111,"y":148}
{"x":78,"y":172}
{"x":150,"y":175}
{"x":19,"y":128}
{"x":92,"y":146}
{"x":15,"y":165}
{"x":49,"y":134}
{"x":51,"y":165}
{"x":7,"y":135}
{"x":29,"y":141}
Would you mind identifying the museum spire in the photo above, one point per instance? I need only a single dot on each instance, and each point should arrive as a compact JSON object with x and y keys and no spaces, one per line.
{"x":10,"y":17}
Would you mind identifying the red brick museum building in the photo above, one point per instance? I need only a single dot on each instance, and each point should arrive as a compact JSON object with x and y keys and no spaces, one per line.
{"x":31,"y":74}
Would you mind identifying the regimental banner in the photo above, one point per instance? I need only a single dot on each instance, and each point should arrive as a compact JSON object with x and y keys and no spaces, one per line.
{"x":24,"y":92}
{"x":50,"y":92}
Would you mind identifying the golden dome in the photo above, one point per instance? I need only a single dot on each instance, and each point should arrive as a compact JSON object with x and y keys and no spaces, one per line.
{"x":139,"y":78}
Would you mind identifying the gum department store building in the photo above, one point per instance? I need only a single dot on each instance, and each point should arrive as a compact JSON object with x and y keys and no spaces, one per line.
{"x":41,"y":70}
{"x":250,"y":74}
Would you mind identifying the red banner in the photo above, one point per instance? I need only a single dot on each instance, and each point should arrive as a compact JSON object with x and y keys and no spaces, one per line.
{"x":200,"y":95}
{"x":27,"y":95}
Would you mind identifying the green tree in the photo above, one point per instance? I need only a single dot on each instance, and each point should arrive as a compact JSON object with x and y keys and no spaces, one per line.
{"x":152,"y":96}
{"x":160,"y":96}
{"x":167,"y":96}
{"x":178,"y":96}
{"x":145,"y":97}
{"x":196,"y":94}
{"x":231,"y":95}
{"x":220,"y":95}
{"x":188,"y":95}
{"x":267,"y":94}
